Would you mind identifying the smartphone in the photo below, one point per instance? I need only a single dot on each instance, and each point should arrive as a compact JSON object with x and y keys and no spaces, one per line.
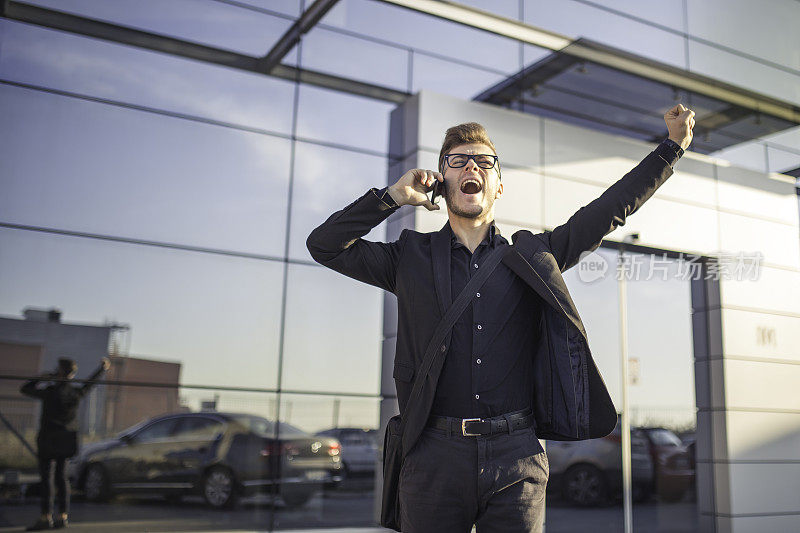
{"x":438,"y":189}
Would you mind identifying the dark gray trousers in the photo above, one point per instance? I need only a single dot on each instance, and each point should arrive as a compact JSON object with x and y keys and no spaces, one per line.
{"x":450,"y":482}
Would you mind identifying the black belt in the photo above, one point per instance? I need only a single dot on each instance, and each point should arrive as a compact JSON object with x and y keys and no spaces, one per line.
{"x":472,"y":427}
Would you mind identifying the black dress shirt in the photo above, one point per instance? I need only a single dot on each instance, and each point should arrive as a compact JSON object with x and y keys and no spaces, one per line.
{"x":487,"y":370}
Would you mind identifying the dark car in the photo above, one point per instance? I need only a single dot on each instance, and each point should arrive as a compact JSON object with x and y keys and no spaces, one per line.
{"x":673,"y":471}
{"x":218,"y":455}
{"x":359,"y":449}
{"x":589,"y":472}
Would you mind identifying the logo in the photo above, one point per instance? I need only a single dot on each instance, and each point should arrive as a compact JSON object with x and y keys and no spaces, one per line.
{"x":591,"y":267}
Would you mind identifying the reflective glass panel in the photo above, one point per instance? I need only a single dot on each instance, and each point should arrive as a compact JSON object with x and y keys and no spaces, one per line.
{"x":216,"y":24}
{"x":113,"y":171}
{"x":333,"y":332}
{"x":101,"y":69}
{"x":340,"y":118}
{"x":329,"y":480}
{"x":216,"y":317}
{"x":325,"y":181}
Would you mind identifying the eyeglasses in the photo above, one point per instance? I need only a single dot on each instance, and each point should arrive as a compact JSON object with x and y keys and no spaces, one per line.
{"x":460,"y":160}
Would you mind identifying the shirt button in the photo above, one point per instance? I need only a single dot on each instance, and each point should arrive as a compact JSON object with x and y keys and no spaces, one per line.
{"x":444,"y":348}
{"x":480,"y":327}
{"x":478,"y":295}
{"x":477,"y":396}
{"x":475,"y":265}
{"x":478,"y":361}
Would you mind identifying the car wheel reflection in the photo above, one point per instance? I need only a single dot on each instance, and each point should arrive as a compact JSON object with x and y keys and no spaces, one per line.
{"x":294,"y":497}
{"x":96,"y":486}
{"x":218,"y":488}
{"x":584,"y":485}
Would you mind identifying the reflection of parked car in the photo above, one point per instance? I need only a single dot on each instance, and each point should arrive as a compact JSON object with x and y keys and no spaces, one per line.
{"x":589,"y":472}
{"x":359,"y":449}
{"x":672,"y":465}
{"x":218,"y":455}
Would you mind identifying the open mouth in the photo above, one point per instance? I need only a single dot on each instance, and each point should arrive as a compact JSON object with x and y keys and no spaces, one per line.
{"x":471,"y":186}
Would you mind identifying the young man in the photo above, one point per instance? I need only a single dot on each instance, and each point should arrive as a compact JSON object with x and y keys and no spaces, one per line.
{"x":57,"y":440}
{"x":517,"y":366}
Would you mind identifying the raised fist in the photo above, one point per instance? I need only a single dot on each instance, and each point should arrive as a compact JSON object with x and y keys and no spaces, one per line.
{"x":680,"y":121}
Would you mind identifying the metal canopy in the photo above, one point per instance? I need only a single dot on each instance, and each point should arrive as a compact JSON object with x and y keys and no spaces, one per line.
{"x":589,"y":94}
{"x":587,"y":50}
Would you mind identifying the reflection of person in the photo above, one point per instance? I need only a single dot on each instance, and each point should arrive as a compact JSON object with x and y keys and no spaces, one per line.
{"x":57,"y":440}
{"x":517,"y":366}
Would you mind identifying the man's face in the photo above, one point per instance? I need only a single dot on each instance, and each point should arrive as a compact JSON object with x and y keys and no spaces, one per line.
{"x":471,"y":190}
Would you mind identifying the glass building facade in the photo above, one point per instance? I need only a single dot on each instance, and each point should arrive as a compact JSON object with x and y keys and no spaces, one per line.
{"x":154,"y":208}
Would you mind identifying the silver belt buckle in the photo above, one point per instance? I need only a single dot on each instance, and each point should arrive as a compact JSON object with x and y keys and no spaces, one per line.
{"x":464,"y":427}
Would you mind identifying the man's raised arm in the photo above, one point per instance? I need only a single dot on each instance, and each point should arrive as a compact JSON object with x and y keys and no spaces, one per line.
{"x":338,"y":244}
{"x":584,"y":231}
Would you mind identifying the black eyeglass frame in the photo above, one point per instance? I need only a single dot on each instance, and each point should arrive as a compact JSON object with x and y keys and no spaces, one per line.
{"x":495,"y":160}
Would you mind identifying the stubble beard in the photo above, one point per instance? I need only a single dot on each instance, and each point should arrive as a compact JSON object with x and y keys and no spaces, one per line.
{"x":471,"y":211}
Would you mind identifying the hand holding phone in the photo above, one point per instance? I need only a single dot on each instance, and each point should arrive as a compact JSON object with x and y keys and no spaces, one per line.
{"x":412,"y":188}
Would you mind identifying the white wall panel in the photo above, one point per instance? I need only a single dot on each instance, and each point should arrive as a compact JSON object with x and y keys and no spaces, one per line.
{"x":693,"y":181}
{"x":749,"y":155}
{"x":673,"y":226}
{"x":776,"y":289}
{"x":522,"y":197}
{"x":590,"y":155}
{"x":689,"y":228}
{"x":515,"y":134}
{"x":751,"y":384}
{"x":754,"y":192}
{"x":759,"y":436}
{"x":761,"y":335}
{"x":778,"y":243}
{"x":764,"y":488}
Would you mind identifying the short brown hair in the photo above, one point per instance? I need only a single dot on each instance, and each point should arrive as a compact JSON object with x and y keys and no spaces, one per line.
{"x":467,"y":133}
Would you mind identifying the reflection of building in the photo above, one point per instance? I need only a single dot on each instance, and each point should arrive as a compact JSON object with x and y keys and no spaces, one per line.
{"x":33,"y":344}
{"x":18,"y":359}
{"x":126,"y":406}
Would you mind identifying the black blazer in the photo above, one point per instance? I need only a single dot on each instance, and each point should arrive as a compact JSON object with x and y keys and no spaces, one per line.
{"x":570,"y":399}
